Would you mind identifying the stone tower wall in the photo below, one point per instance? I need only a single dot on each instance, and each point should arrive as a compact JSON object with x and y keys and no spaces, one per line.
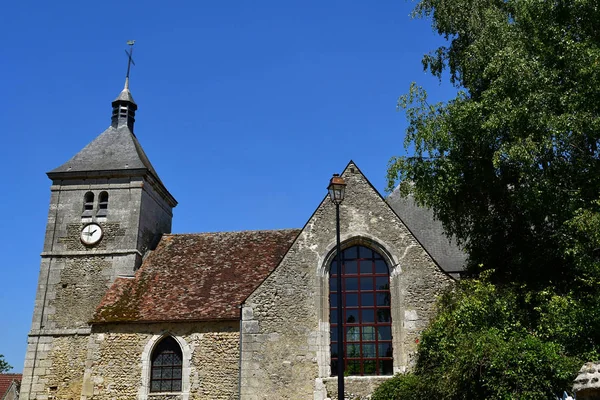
{"x":285,"y":322}
{"x":73,"y":277}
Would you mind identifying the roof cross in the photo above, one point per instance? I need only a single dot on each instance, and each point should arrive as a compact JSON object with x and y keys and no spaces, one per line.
{"x":130,"y":61}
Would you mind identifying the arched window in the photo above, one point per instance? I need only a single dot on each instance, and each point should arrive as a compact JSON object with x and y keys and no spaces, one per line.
{"x":88,"y":205}
{"x":102,"y":205}
{"x":165,"y":374}
{"x":366,"y":310}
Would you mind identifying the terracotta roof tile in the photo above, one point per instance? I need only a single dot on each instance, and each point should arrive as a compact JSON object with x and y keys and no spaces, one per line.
{"x":194,"y":277}
{"x":6,"y":380}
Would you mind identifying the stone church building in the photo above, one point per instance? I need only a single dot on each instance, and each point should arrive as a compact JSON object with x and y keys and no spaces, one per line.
{"x":127,"y":310}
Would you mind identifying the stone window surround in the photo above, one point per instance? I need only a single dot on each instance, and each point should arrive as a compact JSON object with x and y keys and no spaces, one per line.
{"x":144,"y":391}
{"x":323,"y":352}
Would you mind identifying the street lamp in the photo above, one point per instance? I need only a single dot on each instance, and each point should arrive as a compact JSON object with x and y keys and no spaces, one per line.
{"x":337,"y":190}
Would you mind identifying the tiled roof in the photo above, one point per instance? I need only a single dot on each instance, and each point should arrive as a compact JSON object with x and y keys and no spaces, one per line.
{"x":195,"y":277}
{"x":6,"y":380}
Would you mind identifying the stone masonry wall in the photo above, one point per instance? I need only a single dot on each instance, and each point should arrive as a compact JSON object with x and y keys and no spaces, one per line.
{"x":115,"y":365}
{"x":59,"y":366}
{"x":83,"y":282}
{"x":285,"y":322}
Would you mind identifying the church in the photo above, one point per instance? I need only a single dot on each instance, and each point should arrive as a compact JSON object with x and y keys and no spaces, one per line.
{"x":125,"y":309}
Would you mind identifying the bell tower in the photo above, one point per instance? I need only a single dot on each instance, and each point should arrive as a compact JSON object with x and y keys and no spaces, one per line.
{"x":107,"y":208}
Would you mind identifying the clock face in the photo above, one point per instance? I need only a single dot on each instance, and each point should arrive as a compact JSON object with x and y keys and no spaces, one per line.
{"x":91,"y":234}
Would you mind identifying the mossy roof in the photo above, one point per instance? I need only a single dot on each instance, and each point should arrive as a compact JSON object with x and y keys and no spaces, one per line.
{"x":196,"y":277}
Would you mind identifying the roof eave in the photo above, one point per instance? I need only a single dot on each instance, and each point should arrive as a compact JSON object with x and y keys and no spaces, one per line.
{"x":116,"y":173}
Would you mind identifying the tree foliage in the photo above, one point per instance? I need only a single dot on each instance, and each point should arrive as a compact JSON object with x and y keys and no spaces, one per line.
{"x":511,"y":168}
{"x":4,"y":366}
{"x":479,"y":347}
{"x":511,"y":161}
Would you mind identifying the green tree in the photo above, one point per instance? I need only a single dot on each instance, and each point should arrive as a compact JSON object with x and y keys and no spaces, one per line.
{"x":511,"y":161}
{"x":4,"y":366}
{"x":511,"y":168}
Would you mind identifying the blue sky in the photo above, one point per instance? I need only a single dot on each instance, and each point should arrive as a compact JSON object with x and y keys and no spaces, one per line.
{"x":245,"y":109}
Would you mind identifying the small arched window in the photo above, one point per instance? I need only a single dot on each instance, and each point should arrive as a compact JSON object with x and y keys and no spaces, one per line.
{"x":366,"y":312}
{"x":102,"y":205}
{"x":88,"y":205}
{"x":165,"y":373}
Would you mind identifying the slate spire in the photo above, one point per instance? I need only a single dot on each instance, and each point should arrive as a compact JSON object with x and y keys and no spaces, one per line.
{"x":116,"y":151}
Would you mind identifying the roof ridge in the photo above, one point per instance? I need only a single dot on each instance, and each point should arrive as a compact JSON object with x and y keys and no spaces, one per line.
{"x":240,"y":231}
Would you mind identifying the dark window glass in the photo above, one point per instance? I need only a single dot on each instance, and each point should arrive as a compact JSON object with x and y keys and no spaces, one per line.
{"x":386,"y":367}
{"x":366,"y":268}
{"x":367,"y":315}
{"x":351,"y":284}
{"x":384,"y":333}
{"x":383,"y":315}
{"x":165,"y":375}
{"x":334,"y":366}
{"x":352,"y":315}
{"x":351,"y":253}
{"x":367,"y":299}
{"x":352,"y":300}
{"x":383,"y":299}
{"x":366,"y":283}
{"x":350,"y":267}
{"x":365,"y":253}
{"x":381,"y":267}
{"x":382,"y":283}
{"x":332,"y":284}
{"x":385,"y":349}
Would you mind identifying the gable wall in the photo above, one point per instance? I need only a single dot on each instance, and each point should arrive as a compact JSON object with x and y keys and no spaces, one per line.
{"x":285,"y":322}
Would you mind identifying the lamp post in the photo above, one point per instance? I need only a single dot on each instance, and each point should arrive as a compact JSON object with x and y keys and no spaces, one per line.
{"x":337,"y":190}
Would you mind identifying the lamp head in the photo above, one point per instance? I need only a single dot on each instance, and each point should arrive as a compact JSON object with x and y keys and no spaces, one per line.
{"x":337,"y":189}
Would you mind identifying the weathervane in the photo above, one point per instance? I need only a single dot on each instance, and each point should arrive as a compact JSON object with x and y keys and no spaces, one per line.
{"x":129,"y":53}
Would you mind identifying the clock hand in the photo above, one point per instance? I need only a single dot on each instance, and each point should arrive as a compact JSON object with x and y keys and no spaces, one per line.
{"x":92,"y":232}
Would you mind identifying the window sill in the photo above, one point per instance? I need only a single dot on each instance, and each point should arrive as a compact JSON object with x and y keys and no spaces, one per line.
{"x":359,"y":378}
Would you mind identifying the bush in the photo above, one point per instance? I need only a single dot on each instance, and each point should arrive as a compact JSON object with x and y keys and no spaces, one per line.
{"x":492,"y":343}
{"x":405,"y":387}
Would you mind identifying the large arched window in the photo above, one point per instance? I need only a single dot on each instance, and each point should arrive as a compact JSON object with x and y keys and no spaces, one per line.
{"x":165,"y":374}
{"x":366,"y":309}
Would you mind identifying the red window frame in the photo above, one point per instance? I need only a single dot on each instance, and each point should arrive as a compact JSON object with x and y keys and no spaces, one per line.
{"x":367,"y":313}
